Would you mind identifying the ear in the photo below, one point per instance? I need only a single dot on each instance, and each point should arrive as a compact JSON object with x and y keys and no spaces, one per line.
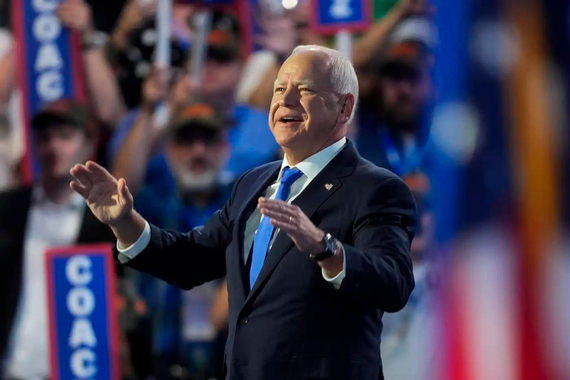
{"x":346,"y":108}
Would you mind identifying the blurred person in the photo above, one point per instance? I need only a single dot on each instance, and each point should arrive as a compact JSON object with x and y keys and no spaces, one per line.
{"x":251,"y":143}
{"x":7,"y":67}
{"x":134,"y":40}
{"x":370,"y":45}
{"x":35,"y":218}
{"x":408,"y":336}
{"x":196,"y":150}
{"x":8,"y":175}
{"x":306,"y":302}
{"x":281,"y":31}
{"x":101,"y":84}
{"x":392,"y":124}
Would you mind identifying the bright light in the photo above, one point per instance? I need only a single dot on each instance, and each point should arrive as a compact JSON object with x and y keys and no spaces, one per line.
{"x":289,"y":4}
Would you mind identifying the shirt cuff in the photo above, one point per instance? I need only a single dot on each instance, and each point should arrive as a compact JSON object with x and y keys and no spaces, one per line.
{"x":129,"y":253}
{"x":336,"y":281}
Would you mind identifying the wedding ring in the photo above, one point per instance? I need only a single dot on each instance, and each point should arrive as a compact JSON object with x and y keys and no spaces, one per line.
{"x":290,"y":219}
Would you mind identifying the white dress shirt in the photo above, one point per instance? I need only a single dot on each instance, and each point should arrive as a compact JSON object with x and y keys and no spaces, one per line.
{"x":48,"y":225}
{"x":310,"y":167}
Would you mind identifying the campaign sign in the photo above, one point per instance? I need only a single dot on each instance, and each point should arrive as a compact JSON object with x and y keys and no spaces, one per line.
{"x":82,"y":324}
{"x":209,"y":3}
{"x":49,"y":60}
{"x":251,"y":31}
{"x":331,"y":16}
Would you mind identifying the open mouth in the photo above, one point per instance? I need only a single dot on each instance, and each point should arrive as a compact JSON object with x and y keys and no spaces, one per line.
{"x":290,"y":119}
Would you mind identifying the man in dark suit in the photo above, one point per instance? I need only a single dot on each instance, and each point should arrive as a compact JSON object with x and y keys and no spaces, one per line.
{"x":312,"y":268}
{"x":32,"y":219}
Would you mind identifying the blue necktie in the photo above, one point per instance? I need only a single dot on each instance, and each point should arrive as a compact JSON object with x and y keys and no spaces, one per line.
{"x":265,"y":230}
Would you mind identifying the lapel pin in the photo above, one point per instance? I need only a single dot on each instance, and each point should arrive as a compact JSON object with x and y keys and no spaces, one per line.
{"x":328,"y":186}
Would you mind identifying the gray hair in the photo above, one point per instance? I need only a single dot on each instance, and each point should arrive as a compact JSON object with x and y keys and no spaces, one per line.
{"x":343,"y":76}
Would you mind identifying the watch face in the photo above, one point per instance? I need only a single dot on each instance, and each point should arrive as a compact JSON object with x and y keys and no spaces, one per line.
{"x":330,"y":243}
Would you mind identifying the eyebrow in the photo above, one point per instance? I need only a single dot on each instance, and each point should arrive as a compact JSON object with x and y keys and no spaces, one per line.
{"x":297,"y":83}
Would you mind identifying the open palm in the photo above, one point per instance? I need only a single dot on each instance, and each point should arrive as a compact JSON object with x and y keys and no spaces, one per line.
{"x":109,"y":199}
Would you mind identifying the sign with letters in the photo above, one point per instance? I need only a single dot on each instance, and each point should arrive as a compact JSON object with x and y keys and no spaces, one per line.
{"x":332,"y":16}
{"x":49,"y":61}
{"x":82,"y":323}
{"x":209,"y":3}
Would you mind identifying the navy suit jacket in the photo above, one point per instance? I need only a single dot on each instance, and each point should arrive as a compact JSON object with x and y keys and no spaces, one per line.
{"x":293,"y":324}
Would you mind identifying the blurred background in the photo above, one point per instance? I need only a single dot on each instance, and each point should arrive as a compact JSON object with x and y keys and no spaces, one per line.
{"x":466,"y":100}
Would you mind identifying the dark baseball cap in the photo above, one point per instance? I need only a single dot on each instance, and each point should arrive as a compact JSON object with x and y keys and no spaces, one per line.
{"x":64,"y":112}
{"x":223,"y":40}
{"x":405,"y":58}
{"x":198,"y":120}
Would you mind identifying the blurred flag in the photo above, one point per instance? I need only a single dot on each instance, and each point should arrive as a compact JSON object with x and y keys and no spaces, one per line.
{"x":498,"y":176}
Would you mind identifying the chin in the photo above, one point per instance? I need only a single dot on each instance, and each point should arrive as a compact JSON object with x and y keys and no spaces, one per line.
{"x":287,"y":137}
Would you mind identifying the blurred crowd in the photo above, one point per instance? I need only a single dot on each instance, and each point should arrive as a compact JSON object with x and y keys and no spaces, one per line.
{"x":180,"y":141}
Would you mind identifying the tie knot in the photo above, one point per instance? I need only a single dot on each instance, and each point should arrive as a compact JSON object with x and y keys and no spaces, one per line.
{"x":290,"y":175}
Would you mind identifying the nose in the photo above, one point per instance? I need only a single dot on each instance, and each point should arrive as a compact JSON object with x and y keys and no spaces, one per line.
{"x":199,"y":147}
{"x":290,"y":97}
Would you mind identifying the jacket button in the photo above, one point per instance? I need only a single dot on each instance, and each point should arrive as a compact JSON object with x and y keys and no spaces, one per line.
{"x":244,"y":321}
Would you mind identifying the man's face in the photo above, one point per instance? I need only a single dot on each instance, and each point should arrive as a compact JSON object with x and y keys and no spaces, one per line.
{"x":404,"y":96}
{"x":220,"y":76}
{"x":61,"y":147}
{"x":218,"y":79}
{"x":197,"y":162}
{"x":305,"y":108}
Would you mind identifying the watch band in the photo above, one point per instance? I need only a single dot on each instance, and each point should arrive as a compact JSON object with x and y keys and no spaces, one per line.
{"x":330,"y":248}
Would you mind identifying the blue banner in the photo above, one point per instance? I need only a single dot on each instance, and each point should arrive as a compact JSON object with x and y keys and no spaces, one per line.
{"x":331,"y":16}
{"x":49,"y":56}
{"x":82,"y":325}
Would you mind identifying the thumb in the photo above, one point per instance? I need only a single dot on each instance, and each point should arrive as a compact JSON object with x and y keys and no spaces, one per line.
{"x":124,"y":193}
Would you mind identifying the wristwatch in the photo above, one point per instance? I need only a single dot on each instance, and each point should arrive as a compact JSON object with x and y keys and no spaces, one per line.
{"x":330,"y":248}
{"x":94,"y":40}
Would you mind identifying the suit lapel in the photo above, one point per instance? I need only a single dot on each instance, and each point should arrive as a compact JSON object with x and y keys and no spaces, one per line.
{"x":237,"y":263}
{"x":317,"y":193}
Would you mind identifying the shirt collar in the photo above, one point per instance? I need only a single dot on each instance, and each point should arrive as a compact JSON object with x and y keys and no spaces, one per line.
{"x":313,"y":165}
{"x":40,"y":197}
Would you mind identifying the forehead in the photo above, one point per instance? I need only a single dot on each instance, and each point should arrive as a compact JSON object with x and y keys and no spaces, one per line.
{"x":59,"y":130}
{"x":307,"y":66}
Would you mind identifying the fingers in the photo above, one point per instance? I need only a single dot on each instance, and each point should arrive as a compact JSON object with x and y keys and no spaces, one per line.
{"x":99,"y":172}
{"x":277,"y":205}
{"x":282,"y":214}
{"x":277,"y":216}
{"x":83,"y":176}
{"x":77,"y":187}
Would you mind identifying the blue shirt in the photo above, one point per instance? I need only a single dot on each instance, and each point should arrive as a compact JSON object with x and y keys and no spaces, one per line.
{"x":375,"y":143}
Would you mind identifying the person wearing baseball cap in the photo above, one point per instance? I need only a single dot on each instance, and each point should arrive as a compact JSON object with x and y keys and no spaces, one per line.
{"x":46,"y":214}
{"x":63,"y":133}
{"x":391,"y":130}
{"x":196,"y":148}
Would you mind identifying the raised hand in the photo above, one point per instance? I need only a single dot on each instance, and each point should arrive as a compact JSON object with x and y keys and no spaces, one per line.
{"x":306,"y":236}
{"x":76,"y":15}
{"x":293,"y":221}
{"x":109,"y":200}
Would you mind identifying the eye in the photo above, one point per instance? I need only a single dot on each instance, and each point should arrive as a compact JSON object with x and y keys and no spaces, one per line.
{"x":307,"y":91}
{"x":279,"y":89}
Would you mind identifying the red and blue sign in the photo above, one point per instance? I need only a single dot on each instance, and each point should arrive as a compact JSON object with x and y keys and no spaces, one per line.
{"x":50,"y":63}
{"x":332,"y":16}
{"x":82,"y":320}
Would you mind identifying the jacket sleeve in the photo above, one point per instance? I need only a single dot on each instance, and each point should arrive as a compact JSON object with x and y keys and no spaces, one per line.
{"x":378,"y":264}
{"x":189,"y":259}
